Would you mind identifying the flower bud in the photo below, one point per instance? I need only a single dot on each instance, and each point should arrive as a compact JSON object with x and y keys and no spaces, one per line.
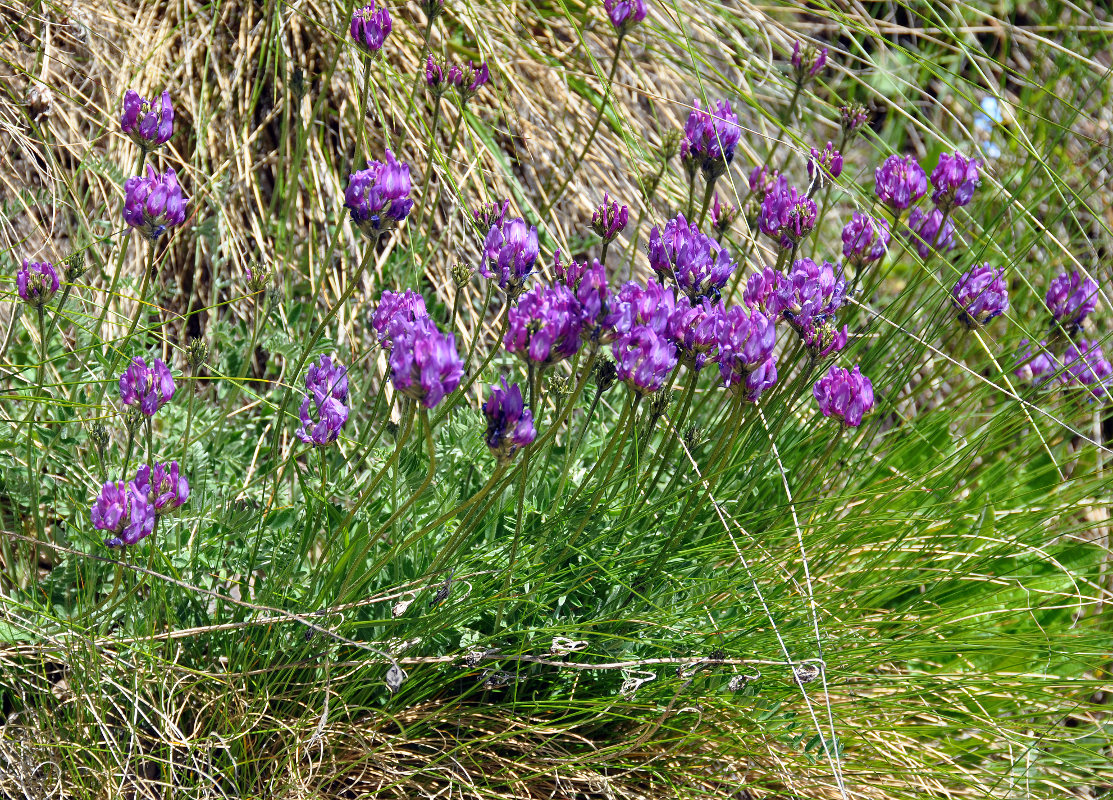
{"x":76,"y":266}
{"x":197,"y":353}
{"x":37,"y":283}
{"x":461,"y":274}
{"x":670,"y":145}
{"x":605,"y":375}
{"x":258,"y":277}
{"x":807,"y":64}
{"x":852,"y":118}
{"x":432,"y":9}
{"x":609,"y":220}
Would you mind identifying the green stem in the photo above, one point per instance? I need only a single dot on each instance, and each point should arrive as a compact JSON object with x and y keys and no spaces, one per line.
{"x":362,"y":139}
{"x":708,"y":192}
{"x":119,"y":259}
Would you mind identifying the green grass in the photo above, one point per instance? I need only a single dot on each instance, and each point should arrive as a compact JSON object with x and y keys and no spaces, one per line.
{"x":915,"y":608}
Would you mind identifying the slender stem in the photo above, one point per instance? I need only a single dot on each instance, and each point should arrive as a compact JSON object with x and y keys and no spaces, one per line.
{"x":361,"y":142}
{"x":150,"y":441}
{"x":58,"y":309}
{"x":29,"y":423}
{"x":189,"y":415}
{"x":594,"y":130}
{"x":708,"y":192}
{"x":691,"y":193}
{"x":149,"y":268}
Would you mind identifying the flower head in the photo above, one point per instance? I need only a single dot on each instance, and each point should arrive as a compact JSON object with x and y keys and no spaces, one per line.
{"x":124,"y":511}
{"x":924,"y":232}
{"x":324,"y":408}
{"x":825,"y":163}
{"x":378,"y":197}
{"x":980,"y":295}
{"x":1086,"y":365}
{"x":396,"y":311}
{"x":625,"y":14}
{"x":37,"y":282}
{"x":698,"y":264}
{"x":163,"y":486}
{"x":509,"y":254}
{"x":865,"y":239}
{"x":899,"y":182}
{"x":509,"y":422}
{"x":954,"y":180}
{"x":609,"y":220}
{"x":786,"y":215}
{"x":822,"y":337}
{"x":147,"y":125}
{"x":762,"y":180}
{"x":544,"y":326}
{"x":651,"y":305}
{"x":852,"y":118}
{"x":845,"y":395}
{"x":746,"y":338}
{"x":1070,"y":298}
{"x":150,"y":388}
{"x":469,"y":79}
{"x":643,"y":358}
{"x":435,"y":75}
{"x":722,"y":217}
{"x":710,"y":138}
{"x":370,"y":27}
{"x":1034,"y":364}
{"x":424,"y":364}
{"x":808,"y":63}
{"x":588,"y":283}
{"x":488,"y":214}
{"x":693,"y":327}
{"x":761,"y":291}
{"x":154,"y":203}
{"x":810,"y":294}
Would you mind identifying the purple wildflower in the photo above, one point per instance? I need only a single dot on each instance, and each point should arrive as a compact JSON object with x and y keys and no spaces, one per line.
{"x":700,"y":266}
{"x":852,"y":118}
{"x":147,"y":125}
{"x":954,"y":179}
{"x":509,"y":422}
{"x":154,"y":203}
{"x":808,"y":63}
{"x":544,"y":326}
{"x":693,"y":327}
{"x":488,"y":214}
{"x":786,"y":215}
{"x":826,"y":164}
{"x":923,"y":228}
{"x":609,"y":220}
{"x":435,"y":75}
{"x":324,"y":408}
{"x":1034,"y":364}
{"x":845,"y":395}
{"x":148,"y":387}
{"x":643,"y":359}
{"x":746,"y":338}
{"x":469,"y":79}
{"x":378,"y":197}
{"x":370,"y":27}
{"x":899,"y":182}
{"x":651,"y":305}
{"x":625,"y":14}
{"x":980,"y":295}
{"x":822,"y":337}
{"x":37,"y":282}
{"x":123,"y":510}
{"x":762,"y":181}
{"x":722,"y":217}
{"x":424,"y":364}
{"x":810,"y":293}
{"x":163,"y":486}
{"x":396,"y":310}
{"x":1070,"y":298}
{"x":710,"y":138}
{"x":509,"y":254}
{"x":865,"y":239}
{"x":761,"y":291}
{"x":589,"y":285}
{"x":1086,"y":365}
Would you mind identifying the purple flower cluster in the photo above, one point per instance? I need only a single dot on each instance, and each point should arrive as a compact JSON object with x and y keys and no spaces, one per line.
{"x":624,"y":14}
{"x":544,"y":326}
{"x":865,"y":239}
{"x":722,"y":217}
{"x":488,"y":214}
{"x":694,"y":328}
{"x":324,"y":408}
{"x":810,"y":293}
{"x":980,"y":295}
{"x":761,"y":291}
{"x":435,"y":75}
{"x":609,"y":220}
{"x":468,"y":79}
{"x":925,"y":233}
{"x":1070,"y":298}
{"x":370,"y":27}
{"x":378,"y":197}
{"x":852,"y":118}
{"x":395,"y":312}
{"x":153,"y":203}
{"x":826,"y":164}
{"x":954,"y":180}
{"x":37,"y":282}
{"x":509,"y":422}
{"x":150,"y":388}
{"x":147,"y":125}
{"x":129,"y":510}
{"x":588,"y":283}
{"x":762,"y":181}
{"x":1086,"y":365}
{"x":424,"y":364}
{"x":710,"y":138}
{"x":644,"y":358}
{"x":899,"y":182}
{"x":746,"y":338}
{"x":698,"y":264}
{"x":1034,"y":364}
{"x":845,"y":395}
{"x":786,"y":215}
{"x":808,"y":63}
{"x":509,"y":254}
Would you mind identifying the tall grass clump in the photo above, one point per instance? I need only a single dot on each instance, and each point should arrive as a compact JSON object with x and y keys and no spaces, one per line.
{"x":453,"y":399}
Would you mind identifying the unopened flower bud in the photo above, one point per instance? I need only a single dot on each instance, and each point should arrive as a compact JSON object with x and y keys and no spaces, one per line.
{"x":98,"y":435}
{"x":658,"y":405}
{"x":133,"y":418}
{"x":197,"y":353}
{"x":609,"y":220}
{"x":461,"y":274}
{"x":670,"y":145}
{"x":807,"y":64}
{"x":432,"y":9}
{"x":694,"y":437}
{"x":76,"y":266}
{"x":853,"y":118}
{"x":605,"y":375}
{"x":258,"y":277}
{"x":559,"y":386}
